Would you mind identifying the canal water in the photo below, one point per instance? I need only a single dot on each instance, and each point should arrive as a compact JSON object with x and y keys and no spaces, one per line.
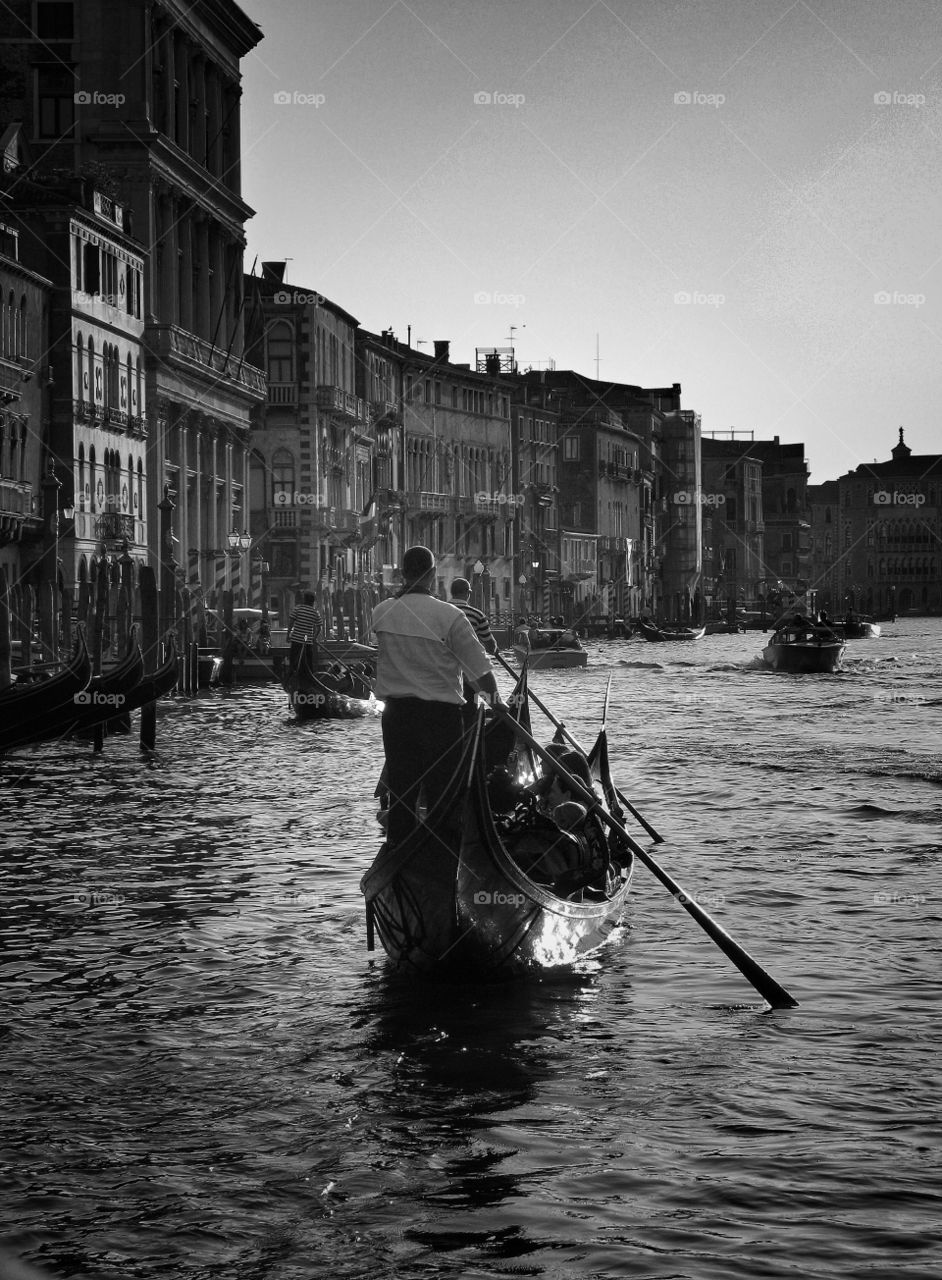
{"x":205,"y":1075}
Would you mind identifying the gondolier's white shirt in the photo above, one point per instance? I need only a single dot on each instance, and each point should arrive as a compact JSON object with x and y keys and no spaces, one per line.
{"x":424,"y":646}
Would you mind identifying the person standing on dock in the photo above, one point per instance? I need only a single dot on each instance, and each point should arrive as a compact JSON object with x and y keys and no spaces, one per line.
{"x":425,"y":646}
{"x":304,"y":627}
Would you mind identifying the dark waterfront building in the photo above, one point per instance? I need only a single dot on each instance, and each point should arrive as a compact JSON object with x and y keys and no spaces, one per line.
{"x":142,"y":100}
{"x":733,"y":521}
{"x":824,"y":507}
{"x":625,"y":453}
{"x":535,"y":486}
{"x":879,"y":547}
{"x":311,"y":446}
{"x":756,"y":508}
{"x":24,"y":387}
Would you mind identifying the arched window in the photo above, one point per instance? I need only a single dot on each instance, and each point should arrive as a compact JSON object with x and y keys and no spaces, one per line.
{"x":127,"y":493}
{"x":137,"y":398}
{"x":827,"y":515}
{"x":80,"y":496}
{"x":79,"y":366}
{"x":93,"y":375}
{"x":11,"y":327}
{"x":24,"y":329}
{"x":139,"y":495}
{"x":93,"y":479}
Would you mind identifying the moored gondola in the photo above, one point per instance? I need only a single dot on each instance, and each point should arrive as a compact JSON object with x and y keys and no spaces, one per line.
{"x":44,"y":708}
{"x":123,"y":689}
{"x":498,"y":901}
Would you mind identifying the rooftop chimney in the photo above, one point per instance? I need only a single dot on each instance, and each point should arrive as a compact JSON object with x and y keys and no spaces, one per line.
{"x":441,"y":348}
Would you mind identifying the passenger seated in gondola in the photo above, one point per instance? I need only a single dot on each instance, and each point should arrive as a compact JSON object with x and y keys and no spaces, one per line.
{"x":551,"y":835}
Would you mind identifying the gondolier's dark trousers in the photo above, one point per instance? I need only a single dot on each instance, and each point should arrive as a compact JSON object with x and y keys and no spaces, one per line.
{"x":423,"y":742}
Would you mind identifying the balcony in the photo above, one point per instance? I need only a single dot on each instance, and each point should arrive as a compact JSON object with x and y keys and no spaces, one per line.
{"x":282,"y":393}
{"x":613,"y":545}
{"x":386,"y":412}
{"x":11,"y":381}
{"x":424,"y":500}
{"x":112,"y":526}
{"x":16,"y":498}
{"x":342,"y":404}
{"x":117,"y":417}
{"x":192,"y":356}
{"x":284,"y":520}
{"x":580,"y":570}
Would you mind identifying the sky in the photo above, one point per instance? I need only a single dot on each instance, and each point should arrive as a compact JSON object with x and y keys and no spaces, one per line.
{"x":742,"y":196}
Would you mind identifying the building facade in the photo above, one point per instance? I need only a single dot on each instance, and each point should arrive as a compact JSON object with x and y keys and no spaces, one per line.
{"x":537,"y":572}
{"x":143,"y":99}
{"x":96,"y":434}
{"x":732,"y":503}
{"x":312,"y":450}
{"x":887,"y":543}
{"x":24,"y":387}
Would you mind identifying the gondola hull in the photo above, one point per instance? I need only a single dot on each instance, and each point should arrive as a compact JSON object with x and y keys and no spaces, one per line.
{"x":45,"y":709}
{"x":468,"y":912}
{"x":318,"y":695}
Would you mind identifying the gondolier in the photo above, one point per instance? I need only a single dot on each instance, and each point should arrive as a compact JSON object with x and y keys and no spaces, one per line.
{"x":303,"y":627}
{"x":425,"y":646}
{"x":461,"y":599}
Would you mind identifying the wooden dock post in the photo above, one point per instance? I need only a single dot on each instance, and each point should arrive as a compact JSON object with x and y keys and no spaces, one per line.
{"x":228,"y":639}
{"x":6,"y":648}
{"x":24,"y":625}
{"x":102,"y":585}
{"x":150,"y":629}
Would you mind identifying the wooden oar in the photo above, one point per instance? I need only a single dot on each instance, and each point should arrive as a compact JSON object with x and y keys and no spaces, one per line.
{"x":643,"y":822}
{"x":763,"y":982}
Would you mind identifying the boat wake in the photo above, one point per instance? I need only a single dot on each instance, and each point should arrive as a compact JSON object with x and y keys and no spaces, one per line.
{"x":654,"y":666}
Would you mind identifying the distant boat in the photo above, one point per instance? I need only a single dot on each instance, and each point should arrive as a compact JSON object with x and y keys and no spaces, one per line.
{"x":658,"y":635}
{"x":549,"y":647}
{"x":799,"y":648}
{"x":857,"y":629}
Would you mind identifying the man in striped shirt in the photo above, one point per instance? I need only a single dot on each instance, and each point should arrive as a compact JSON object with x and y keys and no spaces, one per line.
{"x":461,"y":599}
{"x":304,"y":626}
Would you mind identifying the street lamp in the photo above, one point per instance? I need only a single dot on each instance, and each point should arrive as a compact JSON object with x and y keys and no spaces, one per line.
{"x":238,"y":542}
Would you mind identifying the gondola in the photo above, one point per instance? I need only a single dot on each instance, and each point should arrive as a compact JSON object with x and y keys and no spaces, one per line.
{"x":801,"y":648}
{"x":479,"y":915}
{"x":163,"y":680}
{"x":146,"y":689}
{"x":107,"y":694}
{"x":658,"y":635}
{"x":38,"y":709}
{"x":344,"y":694}
{"x":99,"y":701}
